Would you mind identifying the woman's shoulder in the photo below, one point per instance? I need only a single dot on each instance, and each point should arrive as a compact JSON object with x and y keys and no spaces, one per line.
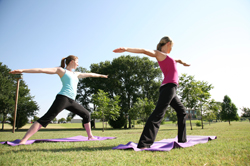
{"x":160,"y":56}
{"x":60,"y":71}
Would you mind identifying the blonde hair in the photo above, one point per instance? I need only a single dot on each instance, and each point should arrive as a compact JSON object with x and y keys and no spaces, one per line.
{"x":67,"y":60}
{"x":163,"y":41}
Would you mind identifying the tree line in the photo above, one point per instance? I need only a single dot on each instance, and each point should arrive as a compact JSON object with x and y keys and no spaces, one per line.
{"x":130,"y":93}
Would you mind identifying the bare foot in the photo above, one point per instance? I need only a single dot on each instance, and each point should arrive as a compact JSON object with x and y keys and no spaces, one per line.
{"x":92,"y":138}
{"x":22,"y":142}
{"x":143,"y":148}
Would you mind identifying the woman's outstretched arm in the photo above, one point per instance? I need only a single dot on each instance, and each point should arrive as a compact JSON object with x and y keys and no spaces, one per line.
{"x":152,"y":53}
{"x":181,"y":62}
{"x":84,"y":75}
{"x":55,"y":70}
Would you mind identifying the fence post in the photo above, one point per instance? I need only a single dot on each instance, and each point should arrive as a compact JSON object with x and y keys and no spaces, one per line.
{"x":18,"y":77}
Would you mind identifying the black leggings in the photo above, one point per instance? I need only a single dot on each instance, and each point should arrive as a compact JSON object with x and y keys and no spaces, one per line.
{"x":62,"y":102}
{"x":167,"y":97}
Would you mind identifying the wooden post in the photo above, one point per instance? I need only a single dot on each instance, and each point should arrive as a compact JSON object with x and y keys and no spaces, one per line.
{"x":18,"y":77}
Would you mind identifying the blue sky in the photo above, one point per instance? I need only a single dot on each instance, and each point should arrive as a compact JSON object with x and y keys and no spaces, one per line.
{"x":213,"y":36}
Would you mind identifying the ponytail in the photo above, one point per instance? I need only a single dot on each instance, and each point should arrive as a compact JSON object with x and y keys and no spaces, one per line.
{"x":63,"y":63}
{"x":67,"y":60}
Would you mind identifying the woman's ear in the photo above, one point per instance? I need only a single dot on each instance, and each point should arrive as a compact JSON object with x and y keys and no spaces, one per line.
{"x":168,"y":43}
{"x":71,"y":61}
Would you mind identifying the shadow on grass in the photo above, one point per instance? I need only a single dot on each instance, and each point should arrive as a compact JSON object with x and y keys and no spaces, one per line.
{"x":84,"y":148}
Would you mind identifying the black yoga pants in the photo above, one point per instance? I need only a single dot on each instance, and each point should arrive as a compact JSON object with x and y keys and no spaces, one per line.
{"x":62,"y":102}
{"x":167,"y":97}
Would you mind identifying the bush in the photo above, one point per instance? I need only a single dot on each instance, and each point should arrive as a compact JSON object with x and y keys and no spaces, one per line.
{"x":117,"y":124}
{"x":139,"y":121}
{"x":198,"y":123}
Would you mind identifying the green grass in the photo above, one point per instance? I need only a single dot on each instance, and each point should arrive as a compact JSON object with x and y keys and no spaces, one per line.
{"x":231,"y":148}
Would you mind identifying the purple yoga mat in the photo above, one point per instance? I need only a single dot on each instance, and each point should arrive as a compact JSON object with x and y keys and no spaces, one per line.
{"x":78,"y":138}
{"x":168,"y":144}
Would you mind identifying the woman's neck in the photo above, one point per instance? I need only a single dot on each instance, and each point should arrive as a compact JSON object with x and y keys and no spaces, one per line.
{"x":69,"y":68}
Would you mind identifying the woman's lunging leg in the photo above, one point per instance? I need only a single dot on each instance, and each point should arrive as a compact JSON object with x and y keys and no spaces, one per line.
{"x":87,"y":127}
{"x":153,"y":123}
{"x":57,"y":106}
{"x":181,"y":115}
{"x":32,"y":130}
{"x":84,"y":114}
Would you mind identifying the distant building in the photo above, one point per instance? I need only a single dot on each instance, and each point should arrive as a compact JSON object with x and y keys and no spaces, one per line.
{"x":76,"y":121}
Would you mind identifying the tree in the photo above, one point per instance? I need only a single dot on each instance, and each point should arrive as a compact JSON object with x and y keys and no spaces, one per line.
{"x":142,"y":108}
{"x":83,"y":95}
{"x":130,"y":77}
{"x":171,"y":114}
{"x":188,"y":92}
{"x":215,"y":106}
{"x":203,"y":95}
{"x":61,"y":120}
{"x":68,"y":119}
{"x":54,"y":120}
{"x":194,"y":94}
{"x":35,"y":118}
{"x":7,"y":92}
{"x":83,"y":91}
{"x":209,"y":114}
{"x":106,"y":108}
{"x":246,"y":113}
{"x":26,"y":107}
{"x":229,"y":110}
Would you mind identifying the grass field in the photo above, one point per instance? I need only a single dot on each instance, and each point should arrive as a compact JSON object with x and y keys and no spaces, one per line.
{"x":232,"y":147}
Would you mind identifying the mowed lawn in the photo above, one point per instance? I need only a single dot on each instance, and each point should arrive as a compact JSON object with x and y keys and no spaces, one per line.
{"x":232,"y":147}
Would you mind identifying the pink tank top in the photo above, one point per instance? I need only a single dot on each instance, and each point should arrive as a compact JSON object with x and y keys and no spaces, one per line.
{"x":169,"y":69}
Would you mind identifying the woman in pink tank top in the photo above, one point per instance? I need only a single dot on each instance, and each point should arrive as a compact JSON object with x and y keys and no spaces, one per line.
{"x":167,"y":92}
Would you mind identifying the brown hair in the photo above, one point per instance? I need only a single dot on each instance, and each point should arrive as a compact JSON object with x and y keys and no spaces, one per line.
{"x":163,"y":41}
{"x":68,"y":59}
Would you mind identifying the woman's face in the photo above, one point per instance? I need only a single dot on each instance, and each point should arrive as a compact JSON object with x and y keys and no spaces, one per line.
{"x":75,"y":63}
{"x":167,"y":48}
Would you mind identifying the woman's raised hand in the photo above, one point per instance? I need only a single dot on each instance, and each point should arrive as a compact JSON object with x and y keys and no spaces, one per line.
{"x":16,"y":71}
{"x":120,"y":50}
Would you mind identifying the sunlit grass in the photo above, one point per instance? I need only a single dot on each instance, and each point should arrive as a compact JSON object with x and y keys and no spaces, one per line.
{"x":231,"y":148}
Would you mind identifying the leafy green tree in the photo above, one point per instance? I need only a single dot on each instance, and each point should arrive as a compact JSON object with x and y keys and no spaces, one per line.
{"x":1,"y":117}
{"x":209,"y":114}
{"x":171,"y":114}
{"x":54,"y":120}
{"x":7,"y":92}
{"x":215,"y":106}
{"x":106,"y":108}
{"x":35,"y":118}
{"x":26,"y":107}
{"x":246,"y":113}
{"x":130,"y":77}
{"x":83,"y":91}
{"x":68,"y":119}
{"x":21,"y":120}
{"x":142,"y":109}
{"x":188,"y":92}
{"x":61,"y":120}
{"x":229,"y":110}
{"x":203,"y":95}
{"x":194,"y":94}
